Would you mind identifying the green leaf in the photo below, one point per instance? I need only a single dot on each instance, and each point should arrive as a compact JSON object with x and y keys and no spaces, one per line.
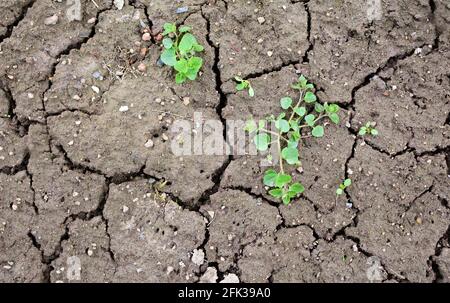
{"x":169,"y":28}
{"x":282,"y":125}
{"x":297,"y":188}
{"x":293,"y":144}
{"x":251,"y":92}
{"x":347,"y":182}
{"x":250,"y":126}
{"x":192,"y":74}
{"x":286,"y":199}
{"x":281,"y":180}
{"x":319,"y":108}
{"x":310,"y":120}
{"x":186,"y":43}
{"x":301,"y":111}
{"x":362,"y":131}
{"x":303,"y":81}
{"x":374,"y":132}
{"x":181,"y":66}
{"x":180,"y":78}
{"x":262,"y":142}
{"x":169,"y":57}
{"x":332,"y":108}
{"x":334,"y":118}
{"x":318,"y":131}
{"x":309,"y":86}
{"x":240,"y":86}
{"x":339,"y":192}
{"x":168,"y":43}
{"x":198,"y":48}
{"x":277,"y":193}
{"x":290,"y":154}
{"x":294,"y":125}
{"x":310,"y":97}
{"x":184,"y":29}
{"x":286,"y":102}
{"x":269,"y":178}
{"x":262,"y":124}
{"x":195,"y":63}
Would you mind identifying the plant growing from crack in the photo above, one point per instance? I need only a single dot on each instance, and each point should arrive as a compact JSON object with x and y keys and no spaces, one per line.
{"x":290,"y":127}
{"x":343,"y":186}
{"x":244,"y":84}
{"x":180,"y":49}
{"x":368,"y":129}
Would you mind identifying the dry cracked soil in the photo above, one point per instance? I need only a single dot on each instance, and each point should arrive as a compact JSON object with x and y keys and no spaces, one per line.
{"x":81,"y":194}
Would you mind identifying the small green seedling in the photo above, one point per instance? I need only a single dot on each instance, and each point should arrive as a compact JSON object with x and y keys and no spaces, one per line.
{"x":244,"y":84}
{"x":291,"y":125}
{"x":369,"y":129}
{"x":180,"y":49}
{"x":343,"y":186}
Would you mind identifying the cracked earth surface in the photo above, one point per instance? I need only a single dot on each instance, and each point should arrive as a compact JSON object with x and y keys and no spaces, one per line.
{"x":78,"y":180}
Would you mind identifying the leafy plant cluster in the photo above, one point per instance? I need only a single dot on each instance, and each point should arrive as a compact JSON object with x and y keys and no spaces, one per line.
{"x":180,"y":50}
{"x":369,"y":129}
{"x":244,"y":84}
{"x":290,"y":126}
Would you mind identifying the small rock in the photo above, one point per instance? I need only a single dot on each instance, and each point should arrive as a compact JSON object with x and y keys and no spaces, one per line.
{"x":143,"y":51}
{"x":119,"y":4}
{"x":182,"y":10}
{"x":419,"y":220}
{"x":95,"y":89}
{"x":261,"y":20}
{"x":123,"y":109}
{"x":186,"y":100}
{"x":164,"y":137}
{"x":146,"y":37}
{"x":230,"y":278}
{"x":198,"y":257}
{"x":210,"y":276}
{"x":30,"y":96}
{"x":92,"y":20}
{"x":125,"y":209}
{"x":270,"y":53}
{"x":149,"y":143}
{"x":51,"y":20}
{"x":142,"y":67}
{"x":97,"y":75}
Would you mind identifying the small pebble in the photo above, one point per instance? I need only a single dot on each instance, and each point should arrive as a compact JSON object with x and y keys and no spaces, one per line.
{"x":146,"y":37}
{"x":182,"y":10}
{"x":269,"y":53}
{"x":149,"y":144}
{"x":95,"y":89}
{"x":261,"y":20}
{"x":51,"y":20}
{"x":123,"y":108}
{"x":186,"y":100}
{"x":142,"y":67}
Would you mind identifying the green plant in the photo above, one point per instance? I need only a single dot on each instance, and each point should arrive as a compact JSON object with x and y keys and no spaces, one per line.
{"x":290,"y":126}
{"x":244,"y":84}
{"x":343,"y":186}
{"x":180,"y":49}
{"x":368,"y":129}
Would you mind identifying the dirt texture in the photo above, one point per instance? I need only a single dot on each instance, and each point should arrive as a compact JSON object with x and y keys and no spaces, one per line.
{"x":90,"y":190}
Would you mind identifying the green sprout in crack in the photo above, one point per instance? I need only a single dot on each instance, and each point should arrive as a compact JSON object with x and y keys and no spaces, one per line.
{"x":369,"y":129}
{"x":342,"y":187}
{"x":291,"y":125}
{"x":180,"y":49}
{"x":244,"y":84}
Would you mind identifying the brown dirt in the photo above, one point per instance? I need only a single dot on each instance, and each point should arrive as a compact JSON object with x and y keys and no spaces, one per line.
{"x":76,"y":179}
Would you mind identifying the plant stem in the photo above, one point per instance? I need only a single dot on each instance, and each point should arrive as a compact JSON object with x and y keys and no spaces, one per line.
{"x":297,"y":105}
{"x":274,"y":133}
{"x":279,"y":154}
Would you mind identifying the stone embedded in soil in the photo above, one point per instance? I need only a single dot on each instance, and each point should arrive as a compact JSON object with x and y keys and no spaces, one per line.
{"x":152,"y":242}
{"x":230,"y":278}
{"x":239,"y":220}
{"x":236,"y":30}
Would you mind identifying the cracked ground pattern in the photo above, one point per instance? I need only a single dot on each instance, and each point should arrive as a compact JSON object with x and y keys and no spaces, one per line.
{"x":78,"y":179}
